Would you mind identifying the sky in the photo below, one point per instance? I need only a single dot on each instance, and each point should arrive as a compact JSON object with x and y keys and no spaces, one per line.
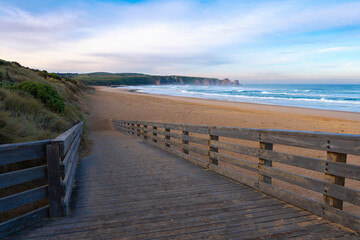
{"x":251,"y":41}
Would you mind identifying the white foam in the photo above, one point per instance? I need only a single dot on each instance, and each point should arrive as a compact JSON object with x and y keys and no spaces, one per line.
{"x":323,"y":98}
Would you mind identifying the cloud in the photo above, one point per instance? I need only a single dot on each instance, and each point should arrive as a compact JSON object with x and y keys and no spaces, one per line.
{"x":16,"y":20}
{"x":33,"y":33}
{"x":333,"y":49}
{"x":156,"y":29}
{"x":329,"y":65}
{"x":176,"y":36}
{"x":160,"y":62}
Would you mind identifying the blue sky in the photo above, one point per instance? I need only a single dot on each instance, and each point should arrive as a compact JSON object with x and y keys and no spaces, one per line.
{"x":252,"y":41}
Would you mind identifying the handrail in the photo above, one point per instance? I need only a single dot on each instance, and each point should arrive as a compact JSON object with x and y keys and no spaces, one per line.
{"x":58,"y":166}
{"x":204,"y":146}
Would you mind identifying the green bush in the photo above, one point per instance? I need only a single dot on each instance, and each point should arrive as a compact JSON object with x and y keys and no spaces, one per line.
{"x":4,"y":63}
{"x":53,"y":75}
{"x":5,"y":83}
{"x":44,"y":93}
{"x":45,"y":74}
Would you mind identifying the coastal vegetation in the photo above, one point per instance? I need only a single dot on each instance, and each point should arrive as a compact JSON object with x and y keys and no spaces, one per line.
{"x":35,"y":104}
{"x":107,"y":79}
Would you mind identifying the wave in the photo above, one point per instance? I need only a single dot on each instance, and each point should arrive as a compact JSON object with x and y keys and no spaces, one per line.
{"x":342,"y":97}
{"x":353,"y":101}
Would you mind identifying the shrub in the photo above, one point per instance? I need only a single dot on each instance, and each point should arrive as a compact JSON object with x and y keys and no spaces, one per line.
{"x":4,"y":63}
{"x":44,"y":93}
{"x":53,"y":75}
{"x":45,"y":74}
{"x":5,"y":83}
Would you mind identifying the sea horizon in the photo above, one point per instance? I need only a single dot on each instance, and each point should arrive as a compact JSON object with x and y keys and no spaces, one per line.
{"x":338,"y":97}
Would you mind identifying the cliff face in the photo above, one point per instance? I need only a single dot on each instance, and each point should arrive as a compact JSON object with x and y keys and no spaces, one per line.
{"x":193,"y":80}
{"x":104,"y":79}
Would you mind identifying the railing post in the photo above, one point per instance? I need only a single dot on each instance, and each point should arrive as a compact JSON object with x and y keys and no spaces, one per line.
{"x":138,"y":129}
{"x":185,"y":142}
{"x":54,"y":179}
{"x":213,"y":149}
{"x":167,"y":130}
{"x":144,"y":131}
{"x":154,"y":134}
{"x":334,"y":157}
{"x":264,"y":178}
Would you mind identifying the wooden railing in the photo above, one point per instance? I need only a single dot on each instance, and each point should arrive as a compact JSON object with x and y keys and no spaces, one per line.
{"x":47,"y":182}
{"x":276,"y":162}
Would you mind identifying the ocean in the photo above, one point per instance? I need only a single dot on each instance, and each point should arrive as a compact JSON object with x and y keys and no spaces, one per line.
{"x":340,"y":97}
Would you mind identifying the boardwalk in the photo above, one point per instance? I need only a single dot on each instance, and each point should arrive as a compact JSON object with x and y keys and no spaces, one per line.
{"x":129,"y":190}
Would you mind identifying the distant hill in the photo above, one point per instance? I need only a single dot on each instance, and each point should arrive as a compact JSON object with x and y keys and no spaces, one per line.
{"x":35,"y":104}
{"x":107,"y":79}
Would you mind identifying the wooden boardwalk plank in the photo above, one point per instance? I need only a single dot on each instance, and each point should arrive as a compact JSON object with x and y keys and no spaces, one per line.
{"x":127,"y":189}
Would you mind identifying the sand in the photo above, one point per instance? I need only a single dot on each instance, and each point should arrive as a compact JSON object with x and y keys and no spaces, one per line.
{"x":112,"y":103}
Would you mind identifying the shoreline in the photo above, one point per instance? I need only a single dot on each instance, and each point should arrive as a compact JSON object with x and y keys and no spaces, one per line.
{"x":343,"y":115}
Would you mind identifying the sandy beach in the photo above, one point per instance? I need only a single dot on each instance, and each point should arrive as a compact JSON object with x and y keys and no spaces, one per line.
{"x":112,"y":103}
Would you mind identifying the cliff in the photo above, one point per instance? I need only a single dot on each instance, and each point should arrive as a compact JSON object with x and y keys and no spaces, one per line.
{"x":108,"y":79}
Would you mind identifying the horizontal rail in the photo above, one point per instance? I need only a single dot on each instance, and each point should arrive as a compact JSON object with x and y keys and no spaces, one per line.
{"x":22,"y":176}
{"x":245,"y":150}
{"x":194,"y":139}
{"x":195,"y":149}
{"x":16,"y":224}
{"x":65,"y":139}
{"x":68,"y":186}
{"x":173,"y":135}
{"x":18,"y":152}
{"x":66,"y":164}
{"x":334,"y":167}
{"x":235,"y":161}
{"x":22,"y":198}
{"x":69,"y":178}
{"x":195,"y":160}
